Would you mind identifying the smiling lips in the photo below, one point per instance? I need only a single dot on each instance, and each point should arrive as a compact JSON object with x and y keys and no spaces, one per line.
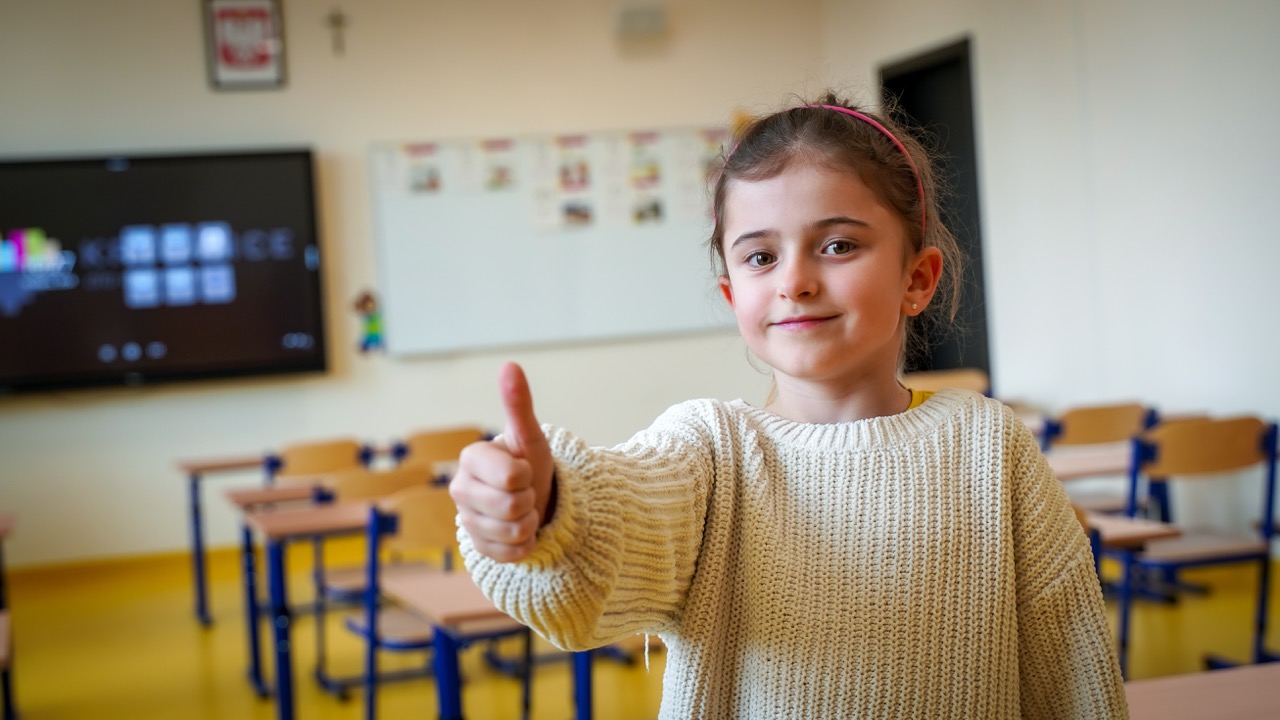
{"x":802,"y":322}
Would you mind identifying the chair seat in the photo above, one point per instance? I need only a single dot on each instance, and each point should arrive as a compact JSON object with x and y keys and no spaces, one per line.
{"x":350,"y":581}
{"x":5,"y":642}
{"x":403,"y":628}
{"x":396,"y":626}
{"x":1199,"y":546}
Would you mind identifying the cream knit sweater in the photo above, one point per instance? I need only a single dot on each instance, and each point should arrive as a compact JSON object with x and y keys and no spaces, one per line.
{"x":922,"y":565}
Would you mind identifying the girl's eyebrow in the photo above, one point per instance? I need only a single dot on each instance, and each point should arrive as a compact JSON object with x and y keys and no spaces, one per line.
{"x":839,"y":220}
{"x":816,"y":225}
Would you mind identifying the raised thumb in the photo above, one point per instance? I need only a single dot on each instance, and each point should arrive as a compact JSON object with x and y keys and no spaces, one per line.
{"x":523,"y":430}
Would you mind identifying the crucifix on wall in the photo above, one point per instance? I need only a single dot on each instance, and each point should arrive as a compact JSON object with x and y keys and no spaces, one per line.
{"x":337,"y":22}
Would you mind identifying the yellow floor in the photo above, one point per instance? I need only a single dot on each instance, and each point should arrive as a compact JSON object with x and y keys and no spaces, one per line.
{"x":118,"y":641}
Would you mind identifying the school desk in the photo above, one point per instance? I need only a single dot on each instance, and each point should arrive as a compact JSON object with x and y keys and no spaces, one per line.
{"x":447,"y":599}
{"x":1127,"y":535}
{"x":1248,"y":692}
{"x":1071,"y":462}
{"x":195,"y":471}
{"x":246,"y":500}
{"x":1033,"y":419}
{"x":279,"y":528}
{"x":1120,"y":532}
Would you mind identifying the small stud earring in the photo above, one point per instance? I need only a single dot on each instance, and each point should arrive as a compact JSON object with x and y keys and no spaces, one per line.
{"x":915,"y":306}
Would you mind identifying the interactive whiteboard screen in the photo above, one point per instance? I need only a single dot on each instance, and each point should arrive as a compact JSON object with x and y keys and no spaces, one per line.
{"x":147,"y":268}
{"x":537,"y":240}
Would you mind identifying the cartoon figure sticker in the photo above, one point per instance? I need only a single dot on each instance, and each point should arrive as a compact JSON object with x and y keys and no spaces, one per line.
{"x":371,"y":322}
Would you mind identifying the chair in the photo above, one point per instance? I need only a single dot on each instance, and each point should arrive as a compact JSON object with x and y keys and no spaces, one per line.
{"x":1190,"y":451}
{"x":1089,"y":429}
{"x":439,"y":446}
{"x":345,"y":586}
{"x":426,"y":456}
{"x":975,"y":379}
{"x":409,"y":523}
{"x":296,"y":463}
{"x":301,"y":462}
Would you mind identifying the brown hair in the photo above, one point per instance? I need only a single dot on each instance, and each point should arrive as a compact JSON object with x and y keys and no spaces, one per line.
{"x":764,"y":147}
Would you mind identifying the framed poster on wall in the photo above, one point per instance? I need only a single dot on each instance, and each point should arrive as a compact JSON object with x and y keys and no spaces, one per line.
{"x":245,"y":44}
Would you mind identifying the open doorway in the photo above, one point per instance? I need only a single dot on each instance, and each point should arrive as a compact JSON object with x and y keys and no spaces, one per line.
{"x":934,"y":91}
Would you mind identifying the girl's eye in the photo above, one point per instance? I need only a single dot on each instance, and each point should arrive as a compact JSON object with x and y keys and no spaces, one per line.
{"x":839,"y":247}
{"x":759,"y":259}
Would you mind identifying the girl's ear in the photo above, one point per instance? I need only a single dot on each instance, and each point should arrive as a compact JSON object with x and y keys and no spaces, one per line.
{"x":726,"y":290}
{"x":923,"y":273}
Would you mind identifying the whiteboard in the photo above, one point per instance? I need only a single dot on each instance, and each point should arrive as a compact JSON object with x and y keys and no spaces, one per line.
{"x":488,"y":243}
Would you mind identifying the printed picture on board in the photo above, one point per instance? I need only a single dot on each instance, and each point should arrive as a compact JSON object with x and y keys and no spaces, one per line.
{"x":424,"y":168}
{"x":499,"y":164}
{"x":646,"y":210}
{"x":574,"y":164}
{"x":576,"y":213}
{"x":646,"y":163}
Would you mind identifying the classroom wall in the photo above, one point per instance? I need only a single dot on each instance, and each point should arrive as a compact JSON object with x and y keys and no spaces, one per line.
{"x":1124,"y":155}
{"x":92,"y":474}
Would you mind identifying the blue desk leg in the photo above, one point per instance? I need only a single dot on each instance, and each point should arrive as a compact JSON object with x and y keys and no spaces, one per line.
{"x":197,"y":551}
{"x":1126,"y":601}
{"x":444,"y":656}
{"x":582,"y":684}
{"x":280,"y":626}
{"x":252,"y":614}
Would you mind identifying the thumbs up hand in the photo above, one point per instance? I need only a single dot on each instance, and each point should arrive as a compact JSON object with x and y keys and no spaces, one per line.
{"x":503,"y":487}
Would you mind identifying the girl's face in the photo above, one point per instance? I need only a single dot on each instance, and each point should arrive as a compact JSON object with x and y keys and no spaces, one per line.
{"x":819,"y":277}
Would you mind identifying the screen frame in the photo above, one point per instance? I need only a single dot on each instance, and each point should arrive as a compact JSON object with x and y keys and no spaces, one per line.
{"x":316,"y":362}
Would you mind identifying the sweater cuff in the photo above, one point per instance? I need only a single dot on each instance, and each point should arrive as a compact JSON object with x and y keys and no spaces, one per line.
{"x":556,"y":538}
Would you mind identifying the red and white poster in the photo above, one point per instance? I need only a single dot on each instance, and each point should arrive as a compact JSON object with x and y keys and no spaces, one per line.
{"x":246,"y":46}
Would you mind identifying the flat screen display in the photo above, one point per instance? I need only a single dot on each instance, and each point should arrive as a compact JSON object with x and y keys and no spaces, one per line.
{"x":124,"y":270}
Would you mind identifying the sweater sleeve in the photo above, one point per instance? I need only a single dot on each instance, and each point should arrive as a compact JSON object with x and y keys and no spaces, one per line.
{"x":1067,"y":662}
{"x":619,"y":554}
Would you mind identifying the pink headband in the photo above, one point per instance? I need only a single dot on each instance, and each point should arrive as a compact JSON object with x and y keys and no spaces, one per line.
{"x":885,"y":131}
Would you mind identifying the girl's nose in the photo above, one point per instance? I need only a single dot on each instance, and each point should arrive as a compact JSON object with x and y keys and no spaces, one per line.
{"x":798,"y":279}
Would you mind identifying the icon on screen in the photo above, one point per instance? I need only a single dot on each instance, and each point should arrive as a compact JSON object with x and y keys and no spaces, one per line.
{"x":217,"y":284}
{"x":213,"y":242}
{"x":131,"y":351}
{"x":175,"y":244}
{"x":8,"y":256}
{"x":141,"y":288}
{"x":180,"y":286}
{"x":107,"y":353}
{"x":138,"y":245}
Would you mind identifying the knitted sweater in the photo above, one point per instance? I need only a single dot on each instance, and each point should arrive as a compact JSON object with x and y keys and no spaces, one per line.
{"x":920,"y":565}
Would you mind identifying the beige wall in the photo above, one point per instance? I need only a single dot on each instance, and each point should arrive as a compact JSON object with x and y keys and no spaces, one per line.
{"x":91,"y":474}
{"x":1126,"y":156}
{"x":1127,"y":149}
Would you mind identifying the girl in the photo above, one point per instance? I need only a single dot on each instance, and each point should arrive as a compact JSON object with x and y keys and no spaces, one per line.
{"x":852,"y":549}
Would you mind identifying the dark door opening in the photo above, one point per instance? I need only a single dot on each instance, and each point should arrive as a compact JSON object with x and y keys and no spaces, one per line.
{"x":935,"y":92}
